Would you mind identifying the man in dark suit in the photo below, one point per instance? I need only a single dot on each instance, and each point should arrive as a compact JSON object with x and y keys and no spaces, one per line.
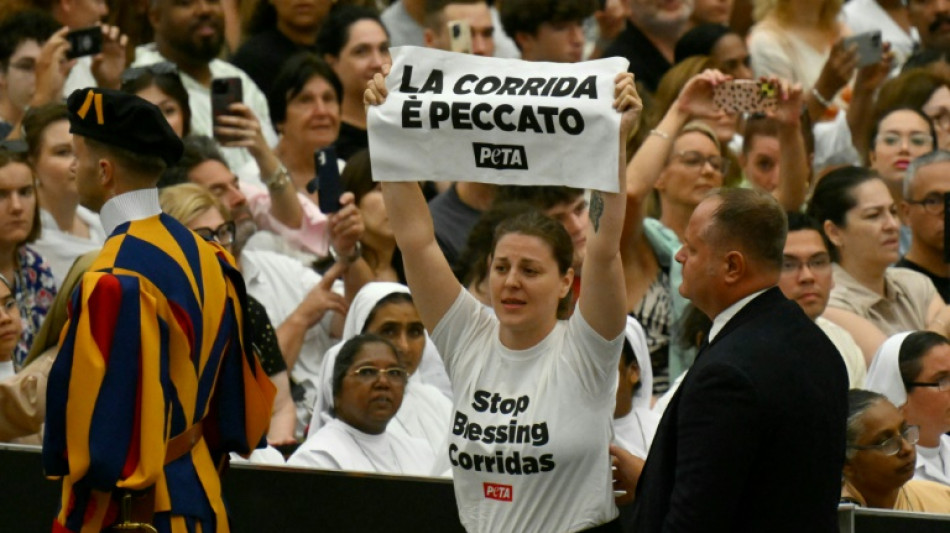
{"x":754,"y":438}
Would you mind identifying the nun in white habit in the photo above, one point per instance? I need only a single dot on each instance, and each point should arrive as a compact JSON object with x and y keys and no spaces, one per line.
{"x":634,"y":421}
{"x":369,"y":380}
{"x":426,"y":412}
{"x":884,"y":376}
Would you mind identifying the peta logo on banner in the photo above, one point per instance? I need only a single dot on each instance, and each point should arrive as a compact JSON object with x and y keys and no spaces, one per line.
{"x":500,"y":156}
{"x":494,"y":491}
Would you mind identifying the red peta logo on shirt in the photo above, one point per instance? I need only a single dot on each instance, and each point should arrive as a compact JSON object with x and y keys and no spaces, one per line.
{"x":494,"y":491}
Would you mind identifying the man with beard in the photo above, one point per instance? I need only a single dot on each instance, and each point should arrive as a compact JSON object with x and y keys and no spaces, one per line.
{"x":190,"y":35}
{"x":932,"y":20}
{"x":648,"y":42}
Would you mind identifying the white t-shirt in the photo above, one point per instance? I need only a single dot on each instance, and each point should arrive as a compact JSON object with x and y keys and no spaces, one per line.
{"x":339,"y":446}
{"x":530,"y":428}
{"x":634,"y":432}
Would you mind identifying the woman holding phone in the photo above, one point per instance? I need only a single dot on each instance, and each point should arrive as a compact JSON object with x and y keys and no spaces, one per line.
{"x":516,"y":365}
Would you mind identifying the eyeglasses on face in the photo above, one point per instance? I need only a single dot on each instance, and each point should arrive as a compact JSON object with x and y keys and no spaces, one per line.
{"x":932,"y":203}
{"x":223,"y":234}
{"x":694,"y":159}
{"x":917,"y":139}
{"x":369,"y":374}
{"x":893,"y":445}
{"x":819,"y":263}
{"x":942,"y":385}
{"x":155,"y":69}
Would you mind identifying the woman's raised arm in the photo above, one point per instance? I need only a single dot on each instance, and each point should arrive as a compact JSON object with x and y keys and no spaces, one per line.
{"x":433,"y":285}
{"x":603,"y":301}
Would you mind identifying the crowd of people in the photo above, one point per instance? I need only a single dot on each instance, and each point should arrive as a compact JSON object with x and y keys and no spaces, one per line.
{"x":703,"y":322}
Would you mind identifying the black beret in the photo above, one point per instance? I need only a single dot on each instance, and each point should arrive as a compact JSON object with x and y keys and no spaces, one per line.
{"x":124,"y":120}
{"x":699,"y":41}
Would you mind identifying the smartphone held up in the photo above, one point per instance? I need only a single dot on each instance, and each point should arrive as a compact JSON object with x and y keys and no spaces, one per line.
{"x":745,"y":96}
{"x":327,"y":183}
{"x":84,"y":42}
{"x":224,"y":92}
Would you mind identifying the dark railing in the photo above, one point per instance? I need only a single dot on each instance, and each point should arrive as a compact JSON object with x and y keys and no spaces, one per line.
{"x":278,"y":500}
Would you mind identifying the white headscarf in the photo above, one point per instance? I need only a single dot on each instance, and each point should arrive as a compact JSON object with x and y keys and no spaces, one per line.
{"x":363,"y":304}
{"x":638,"y":341}
{"x":884,"y":375}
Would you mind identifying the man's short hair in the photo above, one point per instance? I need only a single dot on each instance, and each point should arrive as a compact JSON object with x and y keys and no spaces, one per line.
{"x":930,"y":158}
{"x":435,"y":9}
{"x":542,"y":197}
{"x":143,"y":166}
{"x":198,"y":149}
{"x":527,"y":15}
{"x":751,"y":220}
{"x":29,"y":25}
{"x":798,"y":221}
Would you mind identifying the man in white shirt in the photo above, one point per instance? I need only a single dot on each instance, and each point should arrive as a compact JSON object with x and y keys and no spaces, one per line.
{"x":190,"y":35}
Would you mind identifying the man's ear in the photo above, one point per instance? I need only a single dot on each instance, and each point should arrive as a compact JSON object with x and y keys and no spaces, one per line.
{"x":735,"y":266}
{"x":106,"y":174}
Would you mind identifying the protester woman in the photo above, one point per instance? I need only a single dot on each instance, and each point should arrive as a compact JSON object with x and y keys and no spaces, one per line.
{"x":911,"y":370}
{"x":33,"y":284}
{"x":533,"y":395}
{"x":871,"y":299}
{"x":369,"y":380}
{"x":69,"y":229}
{"x":880,"y":459}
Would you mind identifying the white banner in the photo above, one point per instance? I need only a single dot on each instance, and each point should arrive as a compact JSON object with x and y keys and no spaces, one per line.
{"x":460,"y":117}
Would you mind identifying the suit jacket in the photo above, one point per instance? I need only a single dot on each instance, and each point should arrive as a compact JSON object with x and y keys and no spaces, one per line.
{"x":754,"y":439}
{"x":154,"y":344}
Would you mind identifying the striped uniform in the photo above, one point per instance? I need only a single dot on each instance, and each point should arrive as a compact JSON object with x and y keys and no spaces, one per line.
{"x":153,"y":345}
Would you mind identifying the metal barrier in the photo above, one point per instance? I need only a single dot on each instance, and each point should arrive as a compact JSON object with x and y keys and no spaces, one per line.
{"x":261,"y":499}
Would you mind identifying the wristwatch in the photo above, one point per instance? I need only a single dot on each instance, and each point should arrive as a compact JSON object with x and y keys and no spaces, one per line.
{"x":346,"y":260}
